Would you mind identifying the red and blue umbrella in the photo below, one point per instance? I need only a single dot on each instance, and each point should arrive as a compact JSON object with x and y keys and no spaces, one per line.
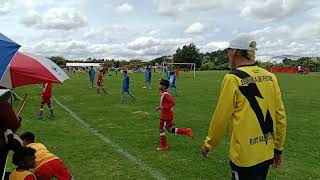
{"x":25,"y":69}
{"x":8,"y":49}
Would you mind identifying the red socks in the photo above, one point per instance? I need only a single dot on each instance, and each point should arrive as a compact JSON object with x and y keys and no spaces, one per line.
{"x":163,"y":139}
{"x":181,"y":131}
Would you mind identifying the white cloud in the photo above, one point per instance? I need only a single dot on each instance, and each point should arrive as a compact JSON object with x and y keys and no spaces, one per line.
{"x":124,"y":8}
{"x":145,"y":48}
{"x":55,"y":18}
{"x":154,"y":32}
{"x":4,"y":7}
{"x":176,"y":7}
{"x":195,"y":28}
{"x":314,"y":13}
{"x":307,"y":31}
{"x":269,"y":10}
{"x":214,"y":46}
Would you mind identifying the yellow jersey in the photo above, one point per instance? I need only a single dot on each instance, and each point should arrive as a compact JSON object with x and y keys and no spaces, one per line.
{"x":42,"y":154}
{"x":21,"y":175}
{"x":250,"y":103}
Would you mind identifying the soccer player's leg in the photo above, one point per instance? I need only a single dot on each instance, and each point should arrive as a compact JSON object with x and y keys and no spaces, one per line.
{"x":121,"y":98}
{"x":172,"y":129}
{"x":44,"y":172}
{"x":40,"y":115}
{"x":60,"y":170}
{"x":131,"y":95}
{"x":50,"y":108}
{"x":163,"y":138}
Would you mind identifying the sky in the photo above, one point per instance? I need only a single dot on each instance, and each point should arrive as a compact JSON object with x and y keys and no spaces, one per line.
{"x":147,"y":29}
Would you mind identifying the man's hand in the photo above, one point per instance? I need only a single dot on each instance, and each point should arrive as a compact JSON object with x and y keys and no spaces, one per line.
{"x":205,"y":152}
{"x":159,"y":108}
{"x":277,"y":160}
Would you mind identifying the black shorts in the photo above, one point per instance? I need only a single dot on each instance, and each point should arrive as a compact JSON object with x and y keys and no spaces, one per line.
{"x":257,"y":172}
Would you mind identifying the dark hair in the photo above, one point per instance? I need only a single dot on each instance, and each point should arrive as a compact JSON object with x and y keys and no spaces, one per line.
{"x":126,"y":72}
{"x":165,"y":83}
{"x":19,"y":155}
{"x":29,"y":136}
{"x":249,"y":55}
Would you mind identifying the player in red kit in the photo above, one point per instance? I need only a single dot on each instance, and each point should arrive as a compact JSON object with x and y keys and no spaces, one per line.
{"x":100,"y":83}
{"x":166,"y":119}
{"x":46,"y":99}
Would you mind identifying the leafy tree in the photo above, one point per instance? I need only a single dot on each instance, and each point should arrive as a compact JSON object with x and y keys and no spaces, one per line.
{"x":188,"y":54}
{"x":59,"y":60}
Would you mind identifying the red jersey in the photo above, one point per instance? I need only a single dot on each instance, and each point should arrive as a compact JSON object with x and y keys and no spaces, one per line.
{"x":47,"y":90}
{"x":100,"y":77}
{"x":167,"y":102}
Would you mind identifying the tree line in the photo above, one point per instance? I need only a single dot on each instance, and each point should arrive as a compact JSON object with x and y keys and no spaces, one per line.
{"x":217,"y":60}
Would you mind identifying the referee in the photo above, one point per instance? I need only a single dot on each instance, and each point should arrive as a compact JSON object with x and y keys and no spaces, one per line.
{"x":250,"y":103}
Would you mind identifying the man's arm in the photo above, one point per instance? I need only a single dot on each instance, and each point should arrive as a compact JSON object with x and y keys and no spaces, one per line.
{"x":281,"y":120}
{"x":222,"y":114}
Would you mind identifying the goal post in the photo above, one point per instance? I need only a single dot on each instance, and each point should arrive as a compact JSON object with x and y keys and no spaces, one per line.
{"x":193,"y":67}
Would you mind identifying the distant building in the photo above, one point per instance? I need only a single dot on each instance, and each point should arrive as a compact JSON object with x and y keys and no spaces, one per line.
{"x":168,"y":59}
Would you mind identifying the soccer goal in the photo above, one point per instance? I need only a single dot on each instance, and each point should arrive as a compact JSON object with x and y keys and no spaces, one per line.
{"x":183,"y":67}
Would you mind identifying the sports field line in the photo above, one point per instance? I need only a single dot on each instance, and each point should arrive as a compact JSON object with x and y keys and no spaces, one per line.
{"x":154,"y":173}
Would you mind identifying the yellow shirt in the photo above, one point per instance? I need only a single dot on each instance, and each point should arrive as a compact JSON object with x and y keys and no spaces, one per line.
{"x":251,"y":104}
{"x":42,"y":154}
{"x":20,"y":175}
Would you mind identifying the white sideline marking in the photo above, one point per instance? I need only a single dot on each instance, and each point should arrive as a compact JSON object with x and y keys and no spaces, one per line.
{"x":154,"y":173}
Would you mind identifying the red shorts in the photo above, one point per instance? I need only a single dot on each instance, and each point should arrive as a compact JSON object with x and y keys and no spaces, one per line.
{"x":166,"y":124}
{"x":100,"y":84}
{"x":51,"y":169}
{"x":45,"y":100}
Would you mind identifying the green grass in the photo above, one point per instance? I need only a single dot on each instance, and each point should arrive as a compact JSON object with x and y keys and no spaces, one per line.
{"x":134,"y":127}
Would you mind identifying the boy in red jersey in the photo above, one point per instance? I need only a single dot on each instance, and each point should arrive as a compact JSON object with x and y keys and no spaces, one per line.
{"x":100,"y":83}
{"x":166,"y":119}
{"x":46,"y":99}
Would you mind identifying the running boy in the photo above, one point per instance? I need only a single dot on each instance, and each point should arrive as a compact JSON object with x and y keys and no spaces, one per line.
{"x":125,"y":86}
{"x":24,"y":159}
{"x":172,"y":80}
{"x":47,"y":165}
{"x":166,"y":119}
{"x":46,"y":99}
{"x":100,"y":83}
{"x":148,"y":78}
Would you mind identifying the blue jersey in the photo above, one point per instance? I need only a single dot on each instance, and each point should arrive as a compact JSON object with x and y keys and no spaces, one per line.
{"x":172,"y":80}
{"x":125,"y":84}
{"x":92,"y":73}
{"x":148,"y":75}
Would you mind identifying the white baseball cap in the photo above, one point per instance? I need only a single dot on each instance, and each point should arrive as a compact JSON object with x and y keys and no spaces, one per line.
{"x":243,"y":42}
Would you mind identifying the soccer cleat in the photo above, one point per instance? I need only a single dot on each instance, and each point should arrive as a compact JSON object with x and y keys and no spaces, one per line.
{"x":39,"y":117}
{"x":162,"y":148}
{"x":189,"y":133}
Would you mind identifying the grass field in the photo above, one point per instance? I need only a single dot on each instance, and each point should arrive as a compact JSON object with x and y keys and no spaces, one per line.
{"x":133,"y":126}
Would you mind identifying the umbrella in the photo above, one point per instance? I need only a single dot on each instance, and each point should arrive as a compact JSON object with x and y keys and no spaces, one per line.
{"x":25,"y":69}
{"x":7,"y":50}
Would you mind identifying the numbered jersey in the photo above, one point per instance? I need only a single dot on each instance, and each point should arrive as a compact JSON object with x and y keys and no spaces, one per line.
{"x":250,"y":101}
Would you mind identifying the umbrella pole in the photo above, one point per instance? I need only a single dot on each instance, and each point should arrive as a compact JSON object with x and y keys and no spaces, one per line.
{"x":23,"y":104}
{"x":4,"y":170}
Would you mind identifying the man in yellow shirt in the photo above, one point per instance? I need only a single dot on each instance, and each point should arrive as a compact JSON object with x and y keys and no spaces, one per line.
{"x":47,"y":165}
{"x":250,"y":103}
